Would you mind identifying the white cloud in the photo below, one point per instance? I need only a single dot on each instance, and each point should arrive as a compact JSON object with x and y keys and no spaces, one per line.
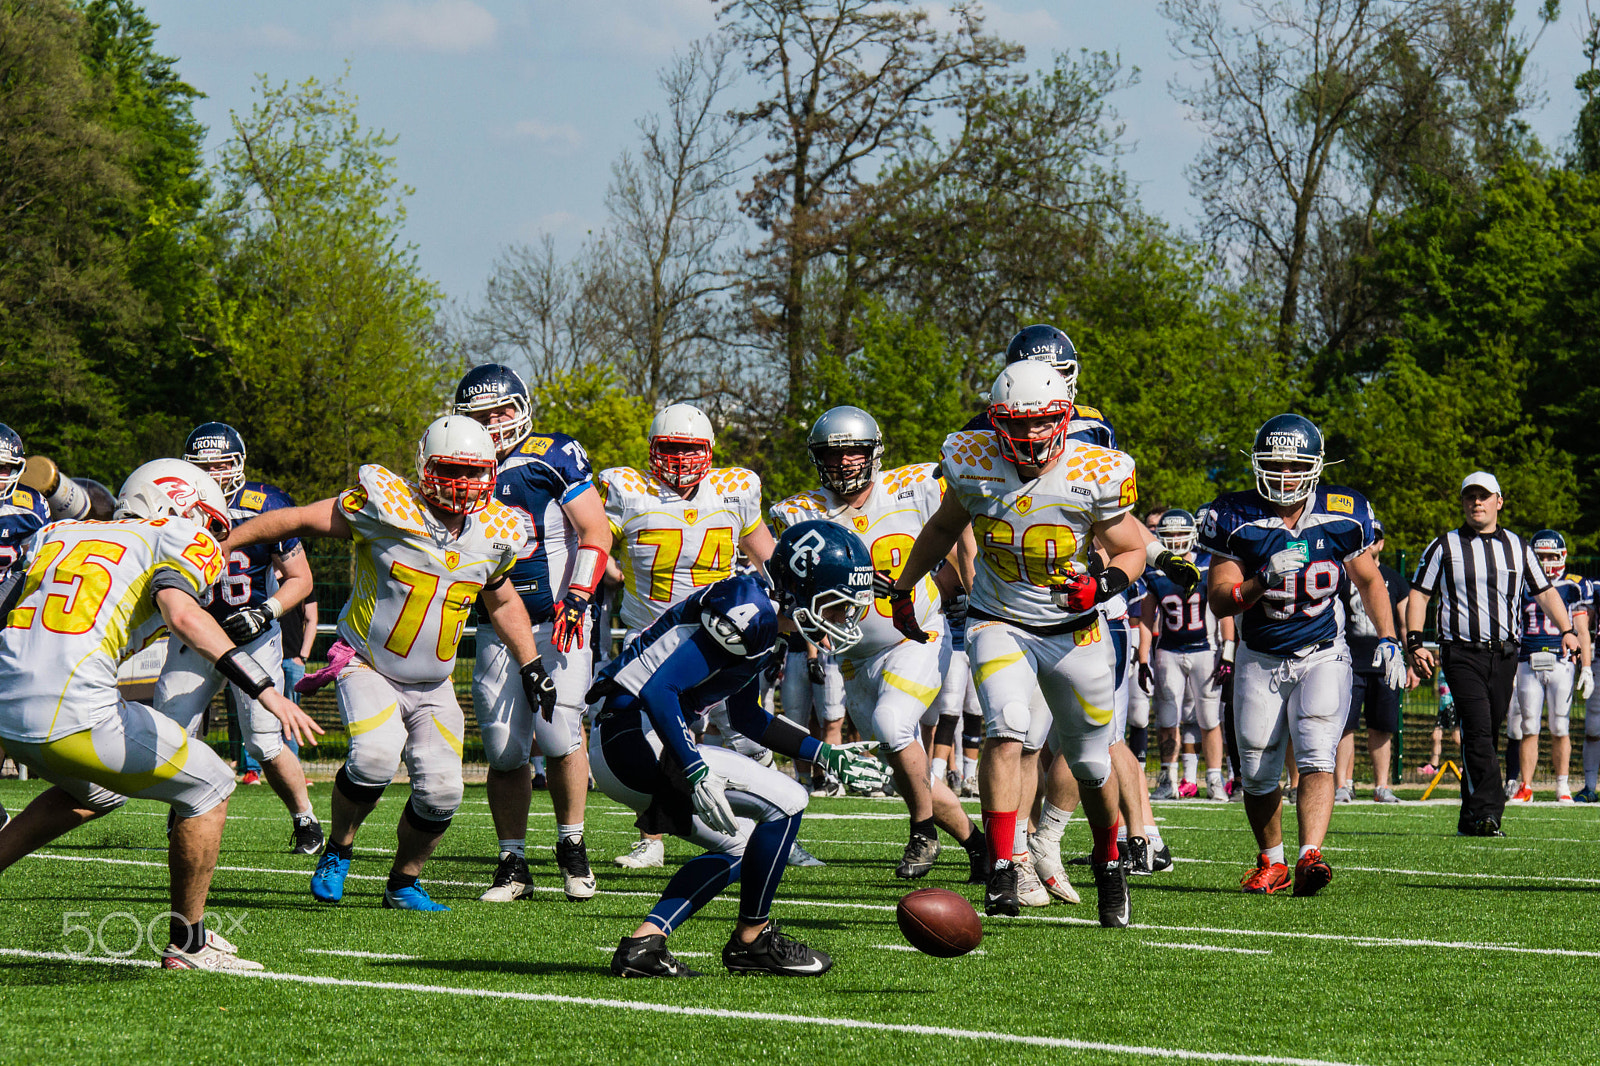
{"x":426,"y":26}
{"x":561,"y":137}
{"x":656,"y":29}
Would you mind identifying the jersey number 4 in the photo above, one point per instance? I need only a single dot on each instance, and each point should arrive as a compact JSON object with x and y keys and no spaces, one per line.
{"x":713,"y":562}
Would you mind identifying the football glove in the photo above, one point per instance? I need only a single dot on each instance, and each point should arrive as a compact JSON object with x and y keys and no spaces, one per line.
{"x":772,"y":672}
{"x":1224,"y":670}
{"x":1281,"y":565}
{"x":1393,"y":662}
{"x":1147,"y":679}
{"x":568,"y":628}
{"x":1585,"y":682}
{"x":1183,"y":573}
{"x":1079,"y":592}
{"x":540,"y":689}
{"x":246,"y":624}
{"x":710,"y":800}
{"x":815,"y":672}
{"x":901,"y":606}
{"x":955,"y":610}
{"x":852,"y":764}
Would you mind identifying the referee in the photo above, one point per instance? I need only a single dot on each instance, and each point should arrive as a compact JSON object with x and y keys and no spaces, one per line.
{"x":1477,"y":572}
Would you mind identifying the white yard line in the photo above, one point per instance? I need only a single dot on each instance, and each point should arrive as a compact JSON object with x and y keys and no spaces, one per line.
{"x":354,"y":954}
{"x":1208,"y":947}
{"x":1432,"y":873}
{"x":1063,"y":1043}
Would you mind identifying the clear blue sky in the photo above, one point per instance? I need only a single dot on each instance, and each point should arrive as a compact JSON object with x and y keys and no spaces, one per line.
{"x":510,"y":113}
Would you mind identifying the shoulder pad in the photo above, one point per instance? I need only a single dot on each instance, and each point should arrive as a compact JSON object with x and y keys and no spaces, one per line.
{"x":810,"y":501}
{"x":500,"y":522}
{"x":905,"y":476}
{"x":1336,"y":499}
{"x":394,"y":498}
{"x":972,"y":448}
{"x":29,"y":500}
{"x":535,"y":444}
{"x":733,"y":479}
{"x":624,"y":479}
{"x":1091,"y":463}
{"x":1080,"y":410}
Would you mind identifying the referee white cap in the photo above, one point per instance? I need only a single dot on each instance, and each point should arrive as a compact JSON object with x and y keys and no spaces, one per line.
{"x":1483,"y":480}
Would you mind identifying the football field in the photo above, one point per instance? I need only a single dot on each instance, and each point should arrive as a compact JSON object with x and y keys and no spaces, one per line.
{"x":1426,"y":947}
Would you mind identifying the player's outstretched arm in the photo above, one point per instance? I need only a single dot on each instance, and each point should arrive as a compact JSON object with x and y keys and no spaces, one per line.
{"x":193,"y":625}
{"x":940,"y":534}
{"x":510,"y":619}
{"x":320,"y":519}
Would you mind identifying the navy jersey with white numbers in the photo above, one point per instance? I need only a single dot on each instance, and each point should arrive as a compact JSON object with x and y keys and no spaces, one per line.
{"x":1088,"y":425}
{"x":674,"y":670}
{"x":1335,"y":526}
{"x":544,"y":472}
{"x":250,"y":578}
{"x":1539,"y":633}
{"x":1135,"y":596}
{"x":21,"y":516}
{"x":1183,"y":617}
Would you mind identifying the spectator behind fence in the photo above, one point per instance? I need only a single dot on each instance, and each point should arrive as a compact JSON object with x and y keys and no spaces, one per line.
{"x":1477,"y":571}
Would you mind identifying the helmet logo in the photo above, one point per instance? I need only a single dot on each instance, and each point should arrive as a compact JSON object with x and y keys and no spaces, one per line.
{"x":807,"y":550}
{"x":1292,"y":441}
{"x":183,"y":494}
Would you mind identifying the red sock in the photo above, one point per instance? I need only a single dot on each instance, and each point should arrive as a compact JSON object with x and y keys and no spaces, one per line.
{"x":1001,"y":829}
{"x":1105,"y":842}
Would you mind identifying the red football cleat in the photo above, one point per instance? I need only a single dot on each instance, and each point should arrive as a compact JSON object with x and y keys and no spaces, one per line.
{"x":1266,"y":878}
{"x":1311,"y":873}
{"x":252,"y":778}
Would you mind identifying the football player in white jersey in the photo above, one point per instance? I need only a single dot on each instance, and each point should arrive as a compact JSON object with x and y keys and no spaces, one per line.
{"x":677,"y":528}
{"x":890,"y":683}
{"x":94,"y":594}
{"x":1036,"y":501}
{"x":424,"y":553}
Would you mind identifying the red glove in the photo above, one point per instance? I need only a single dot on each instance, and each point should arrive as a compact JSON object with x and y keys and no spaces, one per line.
{"x":902,"y":607}
{"x":1078,"y":593}
{"x":568,"y":628}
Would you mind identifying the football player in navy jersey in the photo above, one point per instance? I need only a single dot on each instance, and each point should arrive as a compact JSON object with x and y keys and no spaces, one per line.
{"x":262,"y":581}
{"x":1546,"y":680}
{"x":713,"y":646}
{"x":545,"y":476}
{"x":1279,"y":552}
{"x":1049,"y":345}
{"x":22,"y":514}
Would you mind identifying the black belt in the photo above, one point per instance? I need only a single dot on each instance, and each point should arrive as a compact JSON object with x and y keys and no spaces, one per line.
{"x":1083,"y":621}
{"x":1500,"y":647}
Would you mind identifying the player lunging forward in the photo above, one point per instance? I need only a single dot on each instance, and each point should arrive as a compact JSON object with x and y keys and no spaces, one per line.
{"x":424,"y":552}
{"x":1279,"y":552}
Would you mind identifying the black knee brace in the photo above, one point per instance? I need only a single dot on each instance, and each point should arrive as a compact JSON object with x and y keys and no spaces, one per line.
{"x":972,"y":731}
{"x":422,"y":823}
{"x":945,"y":731}
{"x":1138,"y":741}
{"x":355,"y":793}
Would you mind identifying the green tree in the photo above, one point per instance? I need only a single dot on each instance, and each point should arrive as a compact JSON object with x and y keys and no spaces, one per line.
{"x":322,"y":324}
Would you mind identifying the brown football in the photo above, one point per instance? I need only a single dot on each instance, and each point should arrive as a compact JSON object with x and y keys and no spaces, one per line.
{"x":937,"y":921}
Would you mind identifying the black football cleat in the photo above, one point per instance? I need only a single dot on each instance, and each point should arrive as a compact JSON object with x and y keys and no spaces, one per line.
{"x":1000,"y":894}
{"x":773,"y":953}
{"x":919,"y":857}
{"x":1136,"y":856}
{"x":307,"y":838}
{"x":1160,"y":858}
{"x":647,"y":956}
{"x":1111,"y":885}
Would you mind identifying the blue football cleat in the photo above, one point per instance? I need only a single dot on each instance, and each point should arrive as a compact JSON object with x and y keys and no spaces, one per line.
{"x":327,"y":883}
{"x":1588,"y":795}
{"x":411,"y":898}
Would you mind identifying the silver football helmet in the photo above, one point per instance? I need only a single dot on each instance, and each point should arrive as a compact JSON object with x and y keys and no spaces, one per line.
{"x":845,"y":428}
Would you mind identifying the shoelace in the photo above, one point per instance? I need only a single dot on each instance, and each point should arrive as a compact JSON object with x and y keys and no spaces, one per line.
{"x":570,"y":857}
{"x":505,"y":873}
{"x":785,"y":949}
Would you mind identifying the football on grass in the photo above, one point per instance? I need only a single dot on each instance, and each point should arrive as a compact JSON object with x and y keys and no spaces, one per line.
{"x":937,"y":921}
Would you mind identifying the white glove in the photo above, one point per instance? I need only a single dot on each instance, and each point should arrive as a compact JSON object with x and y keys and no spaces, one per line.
{"x":711,"y":801}
{"x":1282,"y":564}
{"x":1585,"y":682}
{"x":854,"y":766}
{"x":1393,"y":661}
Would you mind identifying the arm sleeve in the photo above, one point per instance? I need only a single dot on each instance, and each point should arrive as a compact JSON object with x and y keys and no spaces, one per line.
{"x":746,"y":714}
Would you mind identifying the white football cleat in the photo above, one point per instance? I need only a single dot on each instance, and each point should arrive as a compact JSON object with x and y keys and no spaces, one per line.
{"x":644,"y":853}
{"x":217,"y":954}
{"x":1563,"y":797}
{"x":1054,"y":877}
{"x":1030,"y":890}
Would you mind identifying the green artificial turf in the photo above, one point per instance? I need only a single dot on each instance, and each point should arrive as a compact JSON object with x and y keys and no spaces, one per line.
{"x":1350,"y":992}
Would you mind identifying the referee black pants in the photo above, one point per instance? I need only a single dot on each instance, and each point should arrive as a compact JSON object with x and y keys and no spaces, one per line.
{"x":1482,"y":680}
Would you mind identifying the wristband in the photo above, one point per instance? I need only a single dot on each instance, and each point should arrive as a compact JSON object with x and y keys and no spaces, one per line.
{"x":241,"y":670}
{"x":274,"y":608}
{"x":588,"y":567}
{"x":1110,"y":582}
{"x":1565,"y":632}
{"x":1228,"y":648}
{"x":1238,"y":593}
{"x":1413,"y":641}
{"x":1152,"y":551}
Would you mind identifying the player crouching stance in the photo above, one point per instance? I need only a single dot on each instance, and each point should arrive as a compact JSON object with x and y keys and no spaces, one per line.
{"x":1036,"y":500}
{"x":1279,"y":553}
{"x":94,"y":594}
{"x":713,"y":646}
{"x":423,"y":554}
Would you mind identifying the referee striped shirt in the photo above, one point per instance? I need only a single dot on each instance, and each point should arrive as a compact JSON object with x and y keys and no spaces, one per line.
{"x":1478,"y":578}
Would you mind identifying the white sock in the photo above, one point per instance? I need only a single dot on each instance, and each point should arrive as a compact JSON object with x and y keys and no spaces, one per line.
{"x":1591,"y":762}
{"x":1275,"y":853}
{"x":1213,"y":776}
{"x":971,"y":767}
{"x":1562,"y":787}
{"x":1305,"y":848}
{"x":1171,"y":770}
{"x":1052,"y":821}
{"x":1122,"y":832}
{"x":940,"y":768}
{"x":1191,"y":763}
{"x":307,"y":813}
{"x":1153,"y":835}
{"x":569,"y":832}
{"x":1020,"y":843}
{"x":1350,"y":784}
{"x":519,"y":848}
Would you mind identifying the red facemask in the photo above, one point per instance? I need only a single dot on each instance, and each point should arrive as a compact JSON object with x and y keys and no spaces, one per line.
{"x":1031,"y":451}
{"x":458,"y":495}
{"x":683,"y":470}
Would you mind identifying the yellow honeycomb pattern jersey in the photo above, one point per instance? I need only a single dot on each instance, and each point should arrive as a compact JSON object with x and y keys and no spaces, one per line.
{"x":414,"y":584}
{"x":669,"y":546}
{"x":86,"y":605}
{"x":1028,"y":531}
{"x":888,"y":521}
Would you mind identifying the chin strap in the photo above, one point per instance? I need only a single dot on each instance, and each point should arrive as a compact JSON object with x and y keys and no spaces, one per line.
{"x":588,"y":567}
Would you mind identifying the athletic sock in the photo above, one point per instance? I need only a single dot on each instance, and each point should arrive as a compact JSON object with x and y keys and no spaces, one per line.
{"x":1191,"y":764}
{"x":1019,"y":836}
{"x":570,"y":832}
{"x":518,"y":847}
{"x":1122,"y":832}
{"x":940,"y":768}
{"x":1591,"y":762}
{"x":975,"y":838}
{"x":1562,"y":788}
{"x":1052,"y":821}
{"x":344,"y":851}
{"x":307,"y":815}
{"x":1304,"y":848}
{"x":185,"y":937}
{"x":1153,"y":835}
{"x":1000,"y":827}
{"x":1213,"y":776}
{"x":1275,"y":853}
{"x":399,"y":881}
{"x":1105,"y":841}
{"x":1171,"y":770}
{"x":925,"y":829}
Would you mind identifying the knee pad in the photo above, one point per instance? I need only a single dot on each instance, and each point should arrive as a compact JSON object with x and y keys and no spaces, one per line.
{"x":1139,"y":741}
{"x":425,"y":822}
{"x":945,"y":731}
{"x":356,"y":793}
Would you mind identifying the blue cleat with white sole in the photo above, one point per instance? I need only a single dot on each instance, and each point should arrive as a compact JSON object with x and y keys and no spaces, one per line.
{"x":327,"y":883}
{"x":413,"y":897}
{"x":1587,"y":795}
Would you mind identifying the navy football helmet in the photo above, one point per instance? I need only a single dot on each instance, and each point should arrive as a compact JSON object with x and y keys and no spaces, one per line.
{"x":823,"y":576}
{"x":487,"y":388}
{"x":1177,"y":530}
{"x":217,"y":448}
{"x":1550,"y":548}
{"x":11,"y":461}
{"x":734,"y":622}
{"x":1287,"y":458}
{"x":1048,"y":345}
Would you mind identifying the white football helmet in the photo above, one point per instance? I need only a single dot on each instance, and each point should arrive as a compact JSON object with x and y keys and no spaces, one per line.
{"x":174,"y":487}
{"x":460,"y":442}
{"x":1030,"y":389}
{"x":681,"y":439}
